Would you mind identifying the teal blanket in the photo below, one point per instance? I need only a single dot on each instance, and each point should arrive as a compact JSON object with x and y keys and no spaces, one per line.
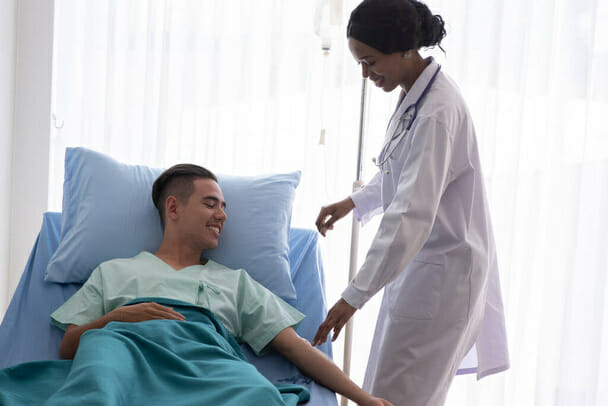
{"x":156,"y":362}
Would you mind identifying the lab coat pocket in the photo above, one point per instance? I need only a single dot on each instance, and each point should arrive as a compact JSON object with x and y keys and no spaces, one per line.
{"x":415,"y":294}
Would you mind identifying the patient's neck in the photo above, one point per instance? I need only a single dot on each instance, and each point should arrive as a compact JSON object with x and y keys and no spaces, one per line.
{"x":177,"y":254}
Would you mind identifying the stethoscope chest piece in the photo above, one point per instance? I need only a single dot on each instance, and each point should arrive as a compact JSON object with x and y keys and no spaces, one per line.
{"x":375,"y":161}
{"x":409,"y":115}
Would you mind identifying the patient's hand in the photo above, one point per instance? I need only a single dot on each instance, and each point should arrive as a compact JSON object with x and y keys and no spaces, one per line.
{"x":130,"y":314}
{"x":379,"y":402}
{"x":143,"y":312}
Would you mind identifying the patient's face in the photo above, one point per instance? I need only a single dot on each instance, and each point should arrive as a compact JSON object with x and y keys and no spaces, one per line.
{"x":202,"y":217}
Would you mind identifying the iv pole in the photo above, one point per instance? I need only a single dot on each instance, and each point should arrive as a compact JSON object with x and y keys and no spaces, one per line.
{"x":354,"y":240}
{"x":331,"y":9}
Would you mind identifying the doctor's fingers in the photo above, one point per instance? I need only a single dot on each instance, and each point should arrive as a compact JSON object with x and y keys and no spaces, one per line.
{"x":340,"y":323}
{"x":325,"y":327}
{"x":323,"y":229}
{"x":322,"y":332}
{"x":329,"y":324}
{"x":335,"y":320}
{"x":327,"y":217}
{"x":326,"y":211}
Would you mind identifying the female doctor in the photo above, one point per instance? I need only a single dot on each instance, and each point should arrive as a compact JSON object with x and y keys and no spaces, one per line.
{"x":434,"y":250}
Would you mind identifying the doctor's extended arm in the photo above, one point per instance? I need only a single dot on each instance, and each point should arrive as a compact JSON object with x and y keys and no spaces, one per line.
{"x":408,"y":220}
{"x":405,"y":226}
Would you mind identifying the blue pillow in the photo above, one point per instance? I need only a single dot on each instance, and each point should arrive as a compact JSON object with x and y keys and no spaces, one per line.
{"x":108,"y":213}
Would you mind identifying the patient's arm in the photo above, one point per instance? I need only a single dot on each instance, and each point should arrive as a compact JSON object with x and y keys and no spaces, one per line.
{"x":128,"y":314}
{"x":316,"y":365}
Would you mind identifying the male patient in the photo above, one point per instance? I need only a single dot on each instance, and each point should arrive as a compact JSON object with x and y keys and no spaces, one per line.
{"x":191,"y":207}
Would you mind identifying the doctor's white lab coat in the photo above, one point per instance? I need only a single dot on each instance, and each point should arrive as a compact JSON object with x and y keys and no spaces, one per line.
{"x":434,"y":251}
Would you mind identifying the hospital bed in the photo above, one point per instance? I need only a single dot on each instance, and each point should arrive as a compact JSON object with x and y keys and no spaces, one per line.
{"x":26,"y":333}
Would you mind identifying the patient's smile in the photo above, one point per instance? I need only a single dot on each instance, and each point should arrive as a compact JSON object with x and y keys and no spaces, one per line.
{"x":216,"y":229}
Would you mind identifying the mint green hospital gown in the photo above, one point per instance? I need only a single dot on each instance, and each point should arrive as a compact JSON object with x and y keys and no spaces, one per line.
{"x":249,"y":311}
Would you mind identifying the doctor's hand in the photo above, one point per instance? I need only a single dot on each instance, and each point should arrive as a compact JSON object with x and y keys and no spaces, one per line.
{"x":332,"y":213}
{"x":336,"y":318}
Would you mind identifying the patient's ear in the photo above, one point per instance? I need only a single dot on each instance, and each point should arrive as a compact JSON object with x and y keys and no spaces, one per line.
{"x":171,"y":207}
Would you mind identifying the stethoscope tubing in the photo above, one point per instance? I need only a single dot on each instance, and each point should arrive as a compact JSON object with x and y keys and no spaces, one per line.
{"x":400,"y":135}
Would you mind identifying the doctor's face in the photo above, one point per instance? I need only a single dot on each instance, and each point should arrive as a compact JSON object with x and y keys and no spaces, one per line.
{"x":385,"y":70}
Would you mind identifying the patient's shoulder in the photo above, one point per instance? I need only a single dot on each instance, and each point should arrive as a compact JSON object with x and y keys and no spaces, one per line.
{"x":228,"y":276}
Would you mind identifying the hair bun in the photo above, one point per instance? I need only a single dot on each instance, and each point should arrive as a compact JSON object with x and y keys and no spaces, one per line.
{"x":395,"y":25}
{"x":431,"y":28}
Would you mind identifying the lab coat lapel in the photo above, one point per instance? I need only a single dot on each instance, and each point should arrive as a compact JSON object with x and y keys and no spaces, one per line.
{"x":411,"y":97}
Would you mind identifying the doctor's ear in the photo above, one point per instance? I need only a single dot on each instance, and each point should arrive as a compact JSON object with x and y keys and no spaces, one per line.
{"x":406,"y":55}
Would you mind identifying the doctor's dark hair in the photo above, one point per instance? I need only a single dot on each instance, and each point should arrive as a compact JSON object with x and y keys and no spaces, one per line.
{"x":177,"y":181}
{"x":395,"y":25}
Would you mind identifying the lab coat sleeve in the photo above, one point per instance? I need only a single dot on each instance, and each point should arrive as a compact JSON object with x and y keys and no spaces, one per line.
{"x":408,"y":220}
{"x":368,"y":199}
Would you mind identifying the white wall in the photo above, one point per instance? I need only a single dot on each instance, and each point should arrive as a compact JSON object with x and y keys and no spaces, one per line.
{"x":31,"y":129}
{"x":8,"y":14}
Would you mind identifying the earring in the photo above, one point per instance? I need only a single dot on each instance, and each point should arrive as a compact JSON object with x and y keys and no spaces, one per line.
{"x":406,"y":55}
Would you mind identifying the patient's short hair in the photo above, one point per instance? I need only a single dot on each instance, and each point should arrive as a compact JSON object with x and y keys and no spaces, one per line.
{"x":177,"y":181}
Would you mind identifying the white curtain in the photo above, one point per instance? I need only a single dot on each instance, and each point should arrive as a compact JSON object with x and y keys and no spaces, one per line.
{"x":535,"y":75}
{"x":240,"y":87}
{"x":243,"y":87}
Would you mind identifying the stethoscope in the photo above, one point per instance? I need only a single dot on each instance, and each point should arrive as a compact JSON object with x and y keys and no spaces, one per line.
{"x":405,"y":123}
